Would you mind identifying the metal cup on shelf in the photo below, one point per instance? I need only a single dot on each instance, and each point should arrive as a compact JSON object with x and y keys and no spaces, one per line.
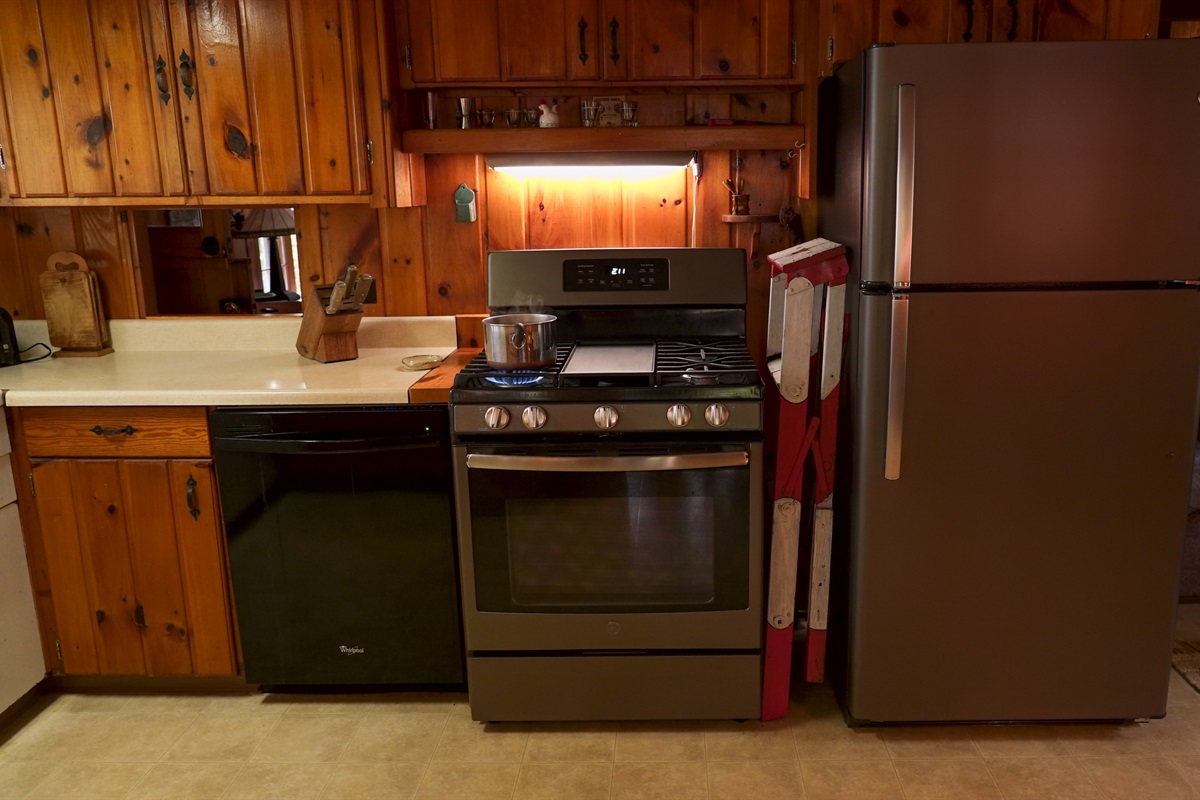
{"x":466,"y":107}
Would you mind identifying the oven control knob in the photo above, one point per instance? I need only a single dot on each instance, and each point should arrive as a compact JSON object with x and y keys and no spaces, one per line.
{"x":534,"y":417}
{"x":716,"y":415}
{"x":606,"y":417}
{"x":496,"y":418}
{"x":679,"y":415}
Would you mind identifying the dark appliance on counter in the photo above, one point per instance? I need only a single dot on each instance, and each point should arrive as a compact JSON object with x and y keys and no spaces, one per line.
{"x":9,"y":353}
{"x":340,"y":533}
{"x":1021,"y":375}
{"x":609,"y":505}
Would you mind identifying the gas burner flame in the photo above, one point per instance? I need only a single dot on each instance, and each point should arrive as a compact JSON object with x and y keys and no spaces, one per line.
{"x":512,"y":380}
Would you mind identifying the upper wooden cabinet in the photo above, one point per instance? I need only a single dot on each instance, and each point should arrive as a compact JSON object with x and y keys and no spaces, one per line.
{"x":677,"y":41}
{"x":169,"y":99}
{"x":846,"y":28}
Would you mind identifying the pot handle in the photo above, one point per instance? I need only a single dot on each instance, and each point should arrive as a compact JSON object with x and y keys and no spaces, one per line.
{"x":518,"y":336}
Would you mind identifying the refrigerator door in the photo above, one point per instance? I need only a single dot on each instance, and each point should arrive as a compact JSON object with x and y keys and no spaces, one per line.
{"x":1024,"y":564}
{"x":1073,"y":161}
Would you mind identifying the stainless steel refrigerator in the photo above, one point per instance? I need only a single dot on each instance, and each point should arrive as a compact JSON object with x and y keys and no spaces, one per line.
{"x":1022,"y":373}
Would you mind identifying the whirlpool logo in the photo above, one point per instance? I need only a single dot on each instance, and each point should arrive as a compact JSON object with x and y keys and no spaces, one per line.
{"x":351,"y":650}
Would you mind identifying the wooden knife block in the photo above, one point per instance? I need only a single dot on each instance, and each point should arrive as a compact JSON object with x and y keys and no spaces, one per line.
{"x":327,"y":337}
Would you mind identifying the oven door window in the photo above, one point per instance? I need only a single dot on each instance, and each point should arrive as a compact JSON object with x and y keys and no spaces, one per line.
{"x":645,"y":540}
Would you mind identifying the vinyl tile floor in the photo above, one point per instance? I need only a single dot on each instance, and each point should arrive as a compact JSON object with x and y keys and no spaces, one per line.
{"x":239,"y":747}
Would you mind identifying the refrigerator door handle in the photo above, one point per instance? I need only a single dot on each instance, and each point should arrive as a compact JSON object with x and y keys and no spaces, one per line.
{"x":906,"y":140}
{"x":897,"y":371}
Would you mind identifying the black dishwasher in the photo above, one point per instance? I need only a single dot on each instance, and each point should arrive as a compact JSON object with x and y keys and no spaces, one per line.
{"x":339,"y":523}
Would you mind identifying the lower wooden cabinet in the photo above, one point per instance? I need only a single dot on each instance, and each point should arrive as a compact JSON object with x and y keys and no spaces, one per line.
{"x":136,"y":567}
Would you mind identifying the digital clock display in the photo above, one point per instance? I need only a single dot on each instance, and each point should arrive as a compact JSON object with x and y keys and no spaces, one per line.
{"x":616,"y":275}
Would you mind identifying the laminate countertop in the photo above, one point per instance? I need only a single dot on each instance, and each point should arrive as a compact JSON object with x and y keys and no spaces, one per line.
{"x":224,"y":362}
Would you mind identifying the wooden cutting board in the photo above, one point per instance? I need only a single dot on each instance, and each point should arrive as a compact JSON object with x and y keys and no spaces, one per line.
{"x":74,"y":318}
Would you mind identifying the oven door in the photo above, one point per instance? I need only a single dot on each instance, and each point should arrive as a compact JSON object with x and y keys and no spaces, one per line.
{"x":610,"y":547}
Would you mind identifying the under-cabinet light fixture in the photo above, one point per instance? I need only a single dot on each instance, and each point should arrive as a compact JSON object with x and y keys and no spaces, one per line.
{"x":612,"y":165}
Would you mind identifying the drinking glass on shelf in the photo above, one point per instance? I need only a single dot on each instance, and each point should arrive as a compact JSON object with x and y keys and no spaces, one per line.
{"x":514,"y":117}
{"x":588,"y":111}
{"x":487,"y":117}
{"x":531,"y":117}
{"x":629,"y":114}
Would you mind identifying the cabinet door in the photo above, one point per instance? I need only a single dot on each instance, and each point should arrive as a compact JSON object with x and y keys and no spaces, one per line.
{"x":87,"y":101}
{"x":466,"y":40}
{"x":1012,"y":21}
{"x":657,"y":40}
{"x":1069,"y":20}
{"x":532,"y":40}
{"x":137,"y":580}
{"x":743,"y":39}
{"x":909,"y":21}
{"x":844,"y":30}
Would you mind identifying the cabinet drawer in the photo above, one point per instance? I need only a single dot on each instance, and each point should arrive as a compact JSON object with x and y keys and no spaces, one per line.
{"x":116,"y":431}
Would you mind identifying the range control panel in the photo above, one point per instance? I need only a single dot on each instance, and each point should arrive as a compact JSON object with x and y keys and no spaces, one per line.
{"x":616,"y":274}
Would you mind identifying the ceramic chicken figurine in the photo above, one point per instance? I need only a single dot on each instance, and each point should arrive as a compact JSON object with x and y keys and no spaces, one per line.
{"x":549,"y":118}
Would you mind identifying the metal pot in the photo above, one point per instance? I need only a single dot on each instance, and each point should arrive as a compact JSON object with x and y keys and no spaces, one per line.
{"x":519,"y":341}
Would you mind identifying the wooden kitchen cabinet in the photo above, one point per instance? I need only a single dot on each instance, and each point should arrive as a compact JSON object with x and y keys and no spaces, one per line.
{"x":149,"y":100}
{"x":132,"y":540}
{"x":489,"y":41}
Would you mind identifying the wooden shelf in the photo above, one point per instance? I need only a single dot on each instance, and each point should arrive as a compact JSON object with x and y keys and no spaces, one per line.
{"x":759,"y":218}
{"x":549,"y":140}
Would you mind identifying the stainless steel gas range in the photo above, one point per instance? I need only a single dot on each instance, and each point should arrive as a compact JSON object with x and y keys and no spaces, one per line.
{"x":610,"y":504}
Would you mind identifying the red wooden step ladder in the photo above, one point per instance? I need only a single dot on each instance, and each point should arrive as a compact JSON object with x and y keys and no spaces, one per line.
{"x":805,"y":337}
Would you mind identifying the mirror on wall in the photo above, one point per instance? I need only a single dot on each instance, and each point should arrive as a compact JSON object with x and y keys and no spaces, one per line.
{"x":219,"y":261}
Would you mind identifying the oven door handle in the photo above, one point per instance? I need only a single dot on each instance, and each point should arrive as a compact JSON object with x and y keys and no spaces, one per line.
{"x":608,"y":463}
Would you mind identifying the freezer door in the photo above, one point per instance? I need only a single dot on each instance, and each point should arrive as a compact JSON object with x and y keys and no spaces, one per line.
{"x":1073,"y":161}
{"x":1024,"y":563}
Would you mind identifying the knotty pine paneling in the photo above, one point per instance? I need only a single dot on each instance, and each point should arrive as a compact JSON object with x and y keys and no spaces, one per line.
{"x":455,"y":260}
{"x":402,"y":243}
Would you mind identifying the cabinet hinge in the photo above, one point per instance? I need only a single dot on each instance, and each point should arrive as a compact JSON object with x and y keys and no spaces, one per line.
{"x":58,"y":650}
{"x":408,"y":57}
{"x":793,"y":52}
{"x":3,"y":163}
{"x":370,"y":152}
{"x":829,"y":48}
{"x":32,"y":488}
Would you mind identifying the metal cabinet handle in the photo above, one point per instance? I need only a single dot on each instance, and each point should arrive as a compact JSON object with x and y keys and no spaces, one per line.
{"x":191,"y":498}
{"x":1012,"y":28}
{"x":160,"y":80}
{"x":139,"y":616}
{"x":583,"y":54}
{"x":906,"y":136}
{"x":187,"y":73}
{"x":967,"y":34}
{"x":613,"y":26}
{"x":128,"y":430}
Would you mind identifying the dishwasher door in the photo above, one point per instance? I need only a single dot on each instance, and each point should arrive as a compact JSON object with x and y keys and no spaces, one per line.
{"x":341,"y":544}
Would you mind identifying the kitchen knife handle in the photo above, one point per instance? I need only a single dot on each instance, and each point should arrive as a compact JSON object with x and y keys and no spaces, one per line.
{"x":906,"y":141}
{"x":897,"y":372}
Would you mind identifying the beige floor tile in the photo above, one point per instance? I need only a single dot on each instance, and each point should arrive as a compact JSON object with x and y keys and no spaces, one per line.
{"x":422,"y":703}
{"x":253,"y":703}
{"x":749,"y":741}
{"x":813,"y":701}
{"x":308,"y":738}
{"x":222,"y":737}
{"x":1042,"y":778}
{"x":850,"y":780}
{"x":562,"y":742}
{"x":1180,"y":691}
{"x":947,"y":779}
{"x":19,"y":778}
{"x":468,"y":782}
{"x":89,"y":702}
{"x":831,"y":740}
{"x":135,"y":737}
{"x":279,"y":782}
{"x":1138,"y":778}
{"x":951,"y":741}
{"x":755,"y":780}
{"x":1176,"y":734}
{"x":90,"y":781}
{"x":577,"y":781}
{"x":57,"y":737}
{"x":1189,"y":767}
{"x":1018,"y":741}
{"x":660,"y":741}
{"x":170,"y":703}
{"x":464,"y":740}
{"x":662,"y":780}
{"x":1109,"y":740}
{"x":373,"y":782}
{"x":408,"y":738}
{"x":185,"y":781}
